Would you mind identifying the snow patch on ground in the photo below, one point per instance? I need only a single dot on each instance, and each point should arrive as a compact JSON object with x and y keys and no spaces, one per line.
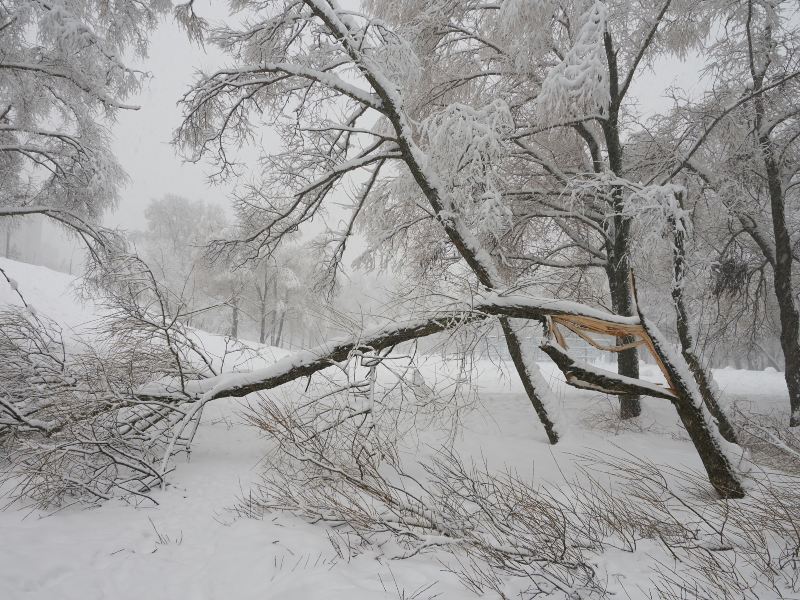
{"x":192,"y":546}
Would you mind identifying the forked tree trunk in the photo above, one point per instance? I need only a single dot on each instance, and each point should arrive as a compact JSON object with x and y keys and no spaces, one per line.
{"x":684,"y":395}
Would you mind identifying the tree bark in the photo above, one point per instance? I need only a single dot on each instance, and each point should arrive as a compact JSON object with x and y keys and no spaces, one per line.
{"x":782,"y":280}
{"x":274,"y":328}
{"x":782,"y":276}
{"x":697,"y":420}
{"x":282,"y":320}
{"x":521,"y":364}
{"x":702,"y":377}
{"x":235,"y":317}
{"x":262,"y":318}
{"x":261,"y":292}
{"x":618,"y":250}
{"x":621,"y":303}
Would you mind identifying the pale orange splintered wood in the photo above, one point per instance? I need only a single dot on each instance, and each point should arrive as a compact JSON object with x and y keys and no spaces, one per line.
{"x":579,"y":331}
{"x":580,"y":325}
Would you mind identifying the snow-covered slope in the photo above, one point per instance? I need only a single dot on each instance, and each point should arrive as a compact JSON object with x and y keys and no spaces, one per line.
{"x":49,"y":292}
{"x":191,"y":546}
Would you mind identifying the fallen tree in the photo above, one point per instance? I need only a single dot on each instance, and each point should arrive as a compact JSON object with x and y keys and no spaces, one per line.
{"x":137,"y":402}
{"x":681,"y":390}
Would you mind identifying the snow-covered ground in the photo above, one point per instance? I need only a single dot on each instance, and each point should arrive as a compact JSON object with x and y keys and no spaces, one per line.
{"x":192,"y":546}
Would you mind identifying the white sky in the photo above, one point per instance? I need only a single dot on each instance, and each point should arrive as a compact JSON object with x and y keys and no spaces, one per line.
{"x":142,"y":138}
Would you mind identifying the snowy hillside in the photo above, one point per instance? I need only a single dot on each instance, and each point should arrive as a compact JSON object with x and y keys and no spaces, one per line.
{"x":54,"y":294}
{"x":193,"y":546}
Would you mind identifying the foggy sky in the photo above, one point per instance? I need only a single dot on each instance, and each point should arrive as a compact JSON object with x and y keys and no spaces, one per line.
{"x":142,"y":138}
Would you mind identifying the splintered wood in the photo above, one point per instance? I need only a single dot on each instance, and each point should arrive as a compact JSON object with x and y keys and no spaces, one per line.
{"x":584,"y":326}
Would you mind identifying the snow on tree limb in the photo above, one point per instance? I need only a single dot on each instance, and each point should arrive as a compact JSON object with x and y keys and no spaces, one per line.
{"x":306,"y":363}
{"x":579,"y":86}
{"x":582,"y":375}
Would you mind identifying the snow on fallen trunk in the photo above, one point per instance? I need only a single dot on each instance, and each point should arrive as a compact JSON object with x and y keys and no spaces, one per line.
{"x":683,"y":393}
{"x":307,"y":362}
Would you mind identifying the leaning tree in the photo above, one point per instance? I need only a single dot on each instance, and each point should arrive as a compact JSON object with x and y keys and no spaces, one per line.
{"x":338,"y":86}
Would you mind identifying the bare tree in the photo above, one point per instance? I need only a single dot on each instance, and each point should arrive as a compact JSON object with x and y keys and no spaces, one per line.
{"x":740,"y":142}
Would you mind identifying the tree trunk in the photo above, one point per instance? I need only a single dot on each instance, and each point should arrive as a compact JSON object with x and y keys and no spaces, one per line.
{"x":282,"y":319}
{"x":279,"y":331}
{"x":782,"y":279}
{"x":782,"y":276}
{"x":235,"y":317}
{"x":697,"y":420}
{"x":618,"y":250}
{"x":702,"y":377}
{"x":627,"y":360}
{"x":274,"y":311}
{"x":528,"y":377}
{"x":261,"y":292}
{"x":262,"y":320}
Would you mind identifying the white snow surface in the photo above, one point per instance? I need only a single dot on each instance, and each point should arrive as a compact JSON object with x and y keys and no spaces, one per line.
{"x":191,"y":546}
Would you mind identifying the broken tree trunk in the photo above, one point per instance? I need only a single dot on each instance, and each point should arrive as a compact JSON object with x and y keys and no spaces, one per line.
{"x":682,"y":389}
{"x":682,"y":392}
{"x":696,"y":418}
